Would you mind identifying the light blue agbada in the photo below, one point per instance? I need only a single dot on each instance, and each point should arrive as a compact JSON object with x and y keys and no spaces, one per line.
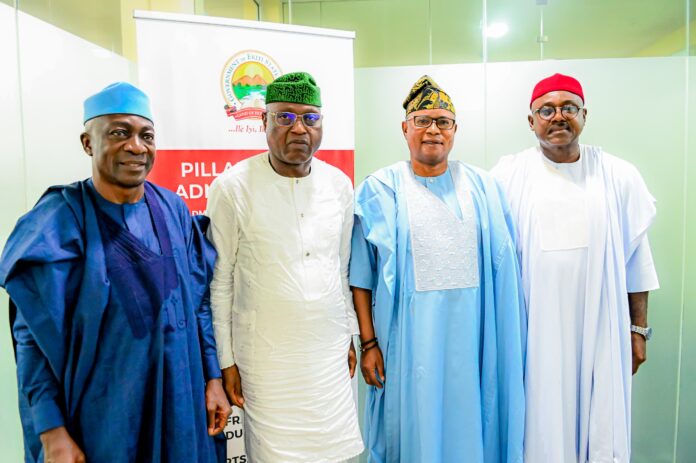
{"x":454,"y":358}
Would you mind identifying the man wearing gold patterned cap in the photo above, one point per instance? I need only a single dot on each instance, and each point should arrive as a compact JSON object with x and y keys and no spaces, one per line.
{"x":436,"y":288}
{"x":282,"y":309}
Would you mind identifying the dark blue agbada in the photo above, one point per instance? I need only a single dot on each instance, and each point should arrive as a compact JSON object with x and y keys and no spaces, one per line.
{"x":114,"y":330}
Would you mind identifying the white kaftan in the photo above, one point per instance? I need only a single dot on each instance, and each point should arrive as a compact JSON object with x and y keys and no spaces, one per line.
{"x":282,"y":307}
{"x":583,"y":245}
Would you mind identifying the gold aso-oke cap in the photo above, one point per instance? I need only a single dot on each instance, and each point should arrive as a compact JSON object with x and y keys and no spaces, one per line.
{"x":426,"y":94}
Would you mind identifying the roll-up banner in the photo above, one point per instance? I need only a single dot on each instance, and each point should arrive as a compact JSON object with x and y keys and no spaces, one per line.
{"x":207,"y":77}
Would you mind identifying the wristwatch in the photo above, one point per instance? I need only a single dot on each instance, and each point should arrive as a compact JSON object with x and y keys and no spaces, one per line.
{"x":645,"y":332}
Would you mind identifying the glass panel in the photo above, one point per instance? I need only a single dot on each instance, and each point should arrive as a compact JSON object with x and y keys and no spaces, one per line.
{"x":388,"y":32}
{"x":303,"y":13}
{"x":240,"y":9}
{"x":686,"y":430}
{"x":382,"y":40}
{"x":686,"y":445}
{"x":587,"y":29}
{"x":271,"y":10}
{"x":692,"y":28}
{"x":456,"y":31}
{"x":630,"y":134}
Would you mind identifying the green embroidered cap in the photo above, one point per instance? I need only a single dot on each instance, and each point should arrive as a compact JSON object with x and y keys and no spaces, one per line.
{"x":295,"y":87}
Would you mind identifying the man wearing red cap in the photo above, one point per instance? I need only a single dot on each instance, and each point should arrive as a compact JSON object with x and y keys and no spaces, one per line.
{"x":582,"y":219}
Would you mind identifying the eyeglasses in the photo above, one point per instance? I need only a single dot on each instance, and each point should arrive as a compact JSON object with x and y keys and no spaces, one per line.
{"x":288,"y":119}
{"x":548,"y":112}
{"x":442,"y":123}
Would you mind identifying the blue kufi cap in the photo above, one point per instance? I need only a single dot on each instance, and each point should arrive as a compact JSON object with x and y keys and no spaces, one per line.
{"x":118,"y":98}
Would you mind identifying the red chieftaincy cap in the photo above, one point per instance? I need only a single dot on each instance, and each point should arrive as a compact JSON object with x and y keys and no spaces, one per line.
{"x":555,"y":83}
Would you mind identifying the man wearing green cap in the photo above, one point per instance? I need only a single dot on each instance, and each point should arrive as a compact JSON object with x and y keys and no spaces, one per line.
{"x":281,"y":223}
{"x":116,"y":356}
{"x":436,"y":289}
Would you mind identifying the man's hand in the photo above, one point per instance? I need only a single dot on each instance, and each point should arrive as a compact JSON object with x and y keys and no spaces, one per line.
{"x":372,"y":365}
{"x":352,"y":359}
{"x":233,"y":385}
{"x":217,"y":406}
{"x":60,"y":448}
{"x":639,"y":351}
{"x":638,"y":308}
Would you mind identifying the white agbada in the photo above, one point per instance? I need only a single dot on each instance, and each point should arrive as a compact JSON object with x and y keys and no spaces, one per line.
{"x":282,"y":308}
{"x":583,"y":245}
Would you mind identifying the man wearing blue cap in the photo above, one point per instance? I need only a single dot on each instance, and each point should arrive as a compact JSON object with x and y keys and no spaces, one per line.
{"x":116,"y":359}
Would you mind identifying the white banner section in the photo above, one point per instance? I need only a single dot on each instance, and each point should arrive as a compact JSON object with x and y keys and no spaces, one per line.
{"x":207,"y":80}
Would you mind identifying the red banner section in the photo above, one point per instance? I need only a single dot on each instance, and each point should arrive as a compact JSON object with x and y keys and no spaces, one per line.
{"x":189,"y":173}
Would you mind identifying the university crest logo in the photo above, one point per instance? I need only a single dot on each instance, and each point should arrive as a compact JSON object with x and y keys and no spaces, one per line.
{"x":244,"y":79}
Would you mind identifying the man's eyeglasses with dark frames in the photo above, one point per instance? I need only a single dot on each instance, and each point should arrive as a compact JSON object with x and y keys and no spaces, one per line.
{"x":423,"y":122}
{"x":548,"y":112}
{"x":288,"y":119}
